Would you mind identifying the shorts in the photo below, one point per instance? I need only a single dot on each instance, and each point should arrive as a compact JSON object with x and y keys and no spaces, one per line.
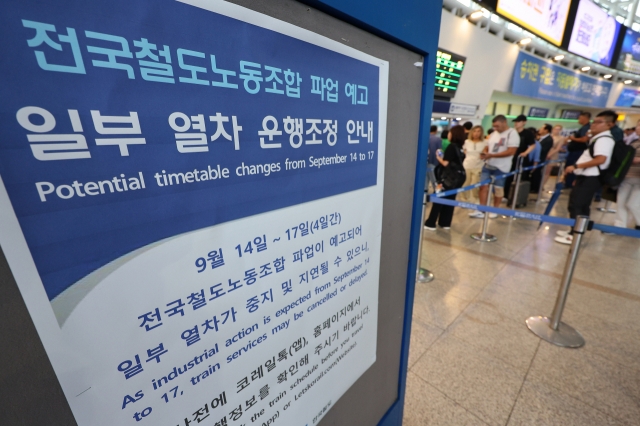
{"x":487,"y":173}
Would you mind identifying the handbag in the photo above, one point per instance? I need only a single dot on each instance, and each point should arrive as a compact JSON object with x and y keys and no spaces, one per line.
{"x":453,"y":176}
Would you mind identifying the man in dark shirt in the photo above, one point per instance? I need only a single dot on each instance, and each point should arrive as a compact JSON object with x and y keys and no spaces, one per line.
{"x":435,"y":143}
{"x":578,"y":142}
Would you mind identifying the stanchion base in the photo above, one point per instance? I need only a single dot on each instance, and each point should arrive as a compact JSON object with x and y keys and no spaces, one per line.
{"x":565,"y":336}
{"x":424,"y":276}
{"x":488,"y":238}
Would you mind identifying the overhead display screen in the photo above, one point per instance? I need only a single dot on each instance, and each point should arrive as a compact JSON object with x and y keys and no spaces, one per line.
{"x":630,"y":52}
{"x":594,"y":33}
{"x":546,"y":18}
{"x":449,"y":68}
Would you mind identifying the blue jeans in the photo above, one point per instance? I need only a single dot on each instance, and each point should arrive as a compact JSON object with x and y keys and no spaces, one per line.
{"x":431,"y":177}
{"x":487,"y":173}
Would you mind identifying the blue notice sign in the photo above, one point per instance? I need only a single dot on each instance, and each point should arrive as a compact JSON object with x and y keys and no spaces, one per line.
{"x":159,"y":117}
{"x":192,"y":189}
{"x":536,"y":78}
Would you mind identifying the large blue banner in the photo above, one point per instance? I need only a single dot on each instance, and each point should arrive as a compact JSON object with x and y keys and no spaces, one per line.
{"x":536,"y":78}
{"x":136,"y":125}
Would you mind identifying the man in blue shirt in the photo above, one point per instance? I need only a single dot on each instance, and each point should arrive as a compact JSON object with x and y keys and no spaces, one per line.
{"x":435,"y":143}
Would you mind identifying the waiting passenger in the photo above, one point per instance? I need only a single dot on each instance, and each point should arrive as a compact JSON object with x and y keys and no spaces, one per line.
{"x":501,"y":147}
{"x":453,"y":154}
{"x":546,"y":144}
{"x":587,"y":170}
{"x":473,"y":147}
{"x":628,"y":198}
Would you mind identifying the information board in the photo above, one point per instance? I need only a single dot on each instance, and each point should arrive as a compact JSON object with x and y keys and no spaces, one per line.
{"x":449,"y":67}
{"x":538,"y":78}
{"x":190,"y":202}
{"x":629,"y":59}
{"x":594,"y":33}
{"x":628,"y":98}
{"x":546,"y":18}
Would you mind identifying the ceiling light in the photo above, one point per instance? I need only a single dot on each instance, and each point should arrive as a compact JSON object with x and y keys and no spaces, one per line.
{"x":628,"y":81}
{"x":458,"y":118}
{"x":607,"y":76}
{"x":558,"y":57}
{"x":587,"y":68}
{"x":443,"y":118}
{"x":476,"y":15}
{"x":525,"y":41}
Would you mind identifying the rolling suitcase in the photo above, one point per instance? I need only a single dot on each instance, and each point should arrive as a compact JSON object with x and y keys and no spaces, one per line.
{"x":523,"y":194}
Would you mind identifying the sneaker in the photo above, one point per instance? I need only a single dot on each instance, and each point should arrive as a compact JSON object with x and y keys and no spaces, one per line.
{"x":476,"y":214}
{"x":564,"y":240}
{"x":446,"y":228}
{"x":493,"y":215}
{"x":562,"y":233}
{"x":428,"y":228}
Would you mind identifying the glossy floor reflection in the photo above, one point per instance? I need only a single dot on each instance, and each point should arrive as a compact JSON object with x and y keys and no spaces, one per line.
{"x":472,"y":359}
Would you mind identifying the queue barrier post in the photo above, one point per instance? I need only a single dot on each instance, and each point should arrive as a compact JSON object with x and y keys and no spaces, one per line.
{"x":423,"y":275}
{"x":483,"y":236}
{"x":552,"y":329}
{"x":517,"y":182}
{"x":543,"y":174}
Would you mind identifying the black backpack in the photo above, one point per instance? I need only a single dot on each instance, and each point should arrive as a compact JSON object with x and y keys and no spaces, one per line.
{"x":621,"y":159}
{"x":454,"y":175}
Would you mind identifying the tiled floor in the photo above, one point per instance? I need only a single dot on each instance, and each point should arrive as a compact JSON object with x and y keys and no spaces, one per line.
{"x":474,"y":362}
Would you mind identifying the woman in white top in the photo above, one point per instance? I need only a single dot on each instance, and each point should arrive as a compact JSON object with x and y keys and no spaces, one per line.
{"x":472,"y":163}
{"x":559,"y":144}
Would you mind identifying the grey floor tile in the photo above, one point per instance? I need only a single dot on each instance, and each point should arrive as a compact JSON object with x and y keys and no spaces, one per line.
{"x":425,"y":406}
{"x":609,"y":307}
{"x":433,"y":255}
{"x":435,"y":303}
{"x":482,"y":384}
{"x":596,"y":381}
{"x":611,"y":341}
{"x":539,"y":285}
{"x":486,"y":328}
{"x":542,"y":405}
{"x":422,"y":336}
{"x":513,"y":303}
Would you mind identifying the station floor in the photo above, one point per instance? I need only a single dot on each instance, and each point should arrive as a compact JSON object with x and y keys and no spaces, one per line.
{"x":474,"y":362}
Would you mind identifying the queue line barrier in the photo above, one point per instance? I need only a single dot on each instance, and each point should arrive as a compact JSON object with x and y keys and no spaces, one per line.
{"x":550,"y":329}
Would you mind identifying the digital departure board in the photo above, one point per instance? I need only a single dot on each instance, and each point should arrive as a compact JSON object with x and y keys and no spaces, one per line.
{"x":449,"y":68}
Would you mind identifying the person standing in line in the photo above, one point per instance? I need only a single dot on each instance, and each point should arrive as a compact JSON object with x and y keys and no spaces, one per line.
{"x":630,"y":135}
{"x":628,"y":198}
{"x":435,"y":143}
{"x":445,"y":139}
{"x":558,"y":152}
{"x":467,"y":128}
{"x":587,"y":170}
{"x":473,"y":147}
{"x":546,"y":144}
{"x":441,"y":214}
{"x":578,"y":142}
{"x":527,"y":144}
{"x":498,"y":156}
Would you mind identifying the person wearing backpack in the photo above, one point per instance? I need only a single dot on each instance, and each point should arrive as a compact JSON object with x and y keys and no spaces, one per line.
{"x":451,"y":175}
{"x":628,"y":196}
{"x":588,"y":169}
